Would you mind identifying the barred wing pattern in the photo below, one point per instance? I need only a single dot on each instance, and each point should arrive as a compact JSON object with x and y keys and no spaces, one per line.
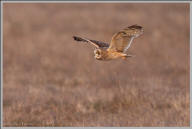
{"x":122,"y":40}
{"x":97,"y":44}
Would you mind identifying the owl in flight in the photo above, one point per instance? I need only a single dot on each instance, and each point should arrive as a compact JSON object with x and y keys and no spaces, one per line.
{"x":120,"y":42}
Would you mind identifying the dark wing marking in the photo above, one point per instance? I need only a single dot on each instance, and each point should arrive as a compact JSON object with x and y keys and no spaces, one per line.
{"x":122,"y":40}
{"x":94,"y":42}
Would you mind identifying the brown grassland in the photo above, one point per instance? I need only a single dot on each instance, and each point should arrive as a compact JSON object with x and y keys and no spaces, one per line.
{"x":51,"y":80}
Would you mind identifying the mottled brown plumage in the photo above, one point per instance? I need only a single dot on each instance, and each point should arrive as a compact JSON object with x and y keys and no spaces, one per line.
{"x":120,"y":42}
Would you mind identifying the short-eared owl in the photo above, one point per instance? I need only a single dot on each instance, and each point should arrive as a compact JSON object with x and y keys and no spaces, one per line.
{"x":120,"y":42}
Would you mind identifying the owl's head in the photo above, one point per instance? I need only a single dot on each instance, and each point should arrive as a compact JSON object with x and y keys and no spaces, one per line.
{"x":97,"y":53}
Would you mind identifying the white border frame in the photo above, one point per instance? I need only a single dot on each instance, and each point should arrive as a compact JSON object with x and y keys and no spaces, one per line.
{"x":1,"y":5}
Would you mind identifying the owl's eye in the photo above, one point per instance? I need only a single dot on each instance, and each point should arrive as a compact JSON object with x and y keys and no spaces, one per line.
{"x":98,"y":52}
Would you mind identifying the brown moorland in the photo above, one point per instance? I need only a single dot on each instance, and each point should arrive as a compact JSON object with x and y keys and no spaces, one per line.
{"x":51,"y":80}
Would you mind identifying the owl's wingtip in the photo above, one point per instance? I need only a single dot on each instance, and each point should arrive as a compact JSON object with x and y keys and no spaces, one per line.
{"x":136,"y":26}
{"x":74,"y":37}
{"x":78,"y":38}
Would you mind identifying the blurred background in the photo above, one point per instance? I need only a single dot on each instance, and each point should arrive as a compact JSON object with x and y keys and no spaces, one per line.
{"x":51,"y":80}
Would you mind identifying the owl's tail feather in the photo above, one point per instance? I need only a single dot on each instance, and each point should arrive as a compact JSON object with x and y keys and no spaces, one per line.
{"x":126,"y":56}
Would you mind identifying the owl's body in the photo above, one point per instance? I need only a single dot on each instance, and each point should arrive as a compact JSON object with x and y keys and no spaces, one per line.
{"x":120,"y":42}
{"x":104,"y":54}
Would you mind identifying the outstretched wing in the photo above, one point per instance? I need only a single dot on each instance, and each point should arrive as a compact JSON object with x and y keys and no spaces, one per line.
{"x":122,"y":40}
{"x":97,"y":44}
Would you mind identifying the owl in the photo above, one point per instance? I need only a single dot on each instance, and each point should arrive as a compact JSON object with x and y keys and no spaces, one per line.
{"x":118,"y":46}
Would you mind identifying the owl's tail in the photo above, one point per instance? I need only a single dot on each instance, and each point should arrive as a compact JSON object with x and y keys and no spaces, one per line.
{"x":125,"y":56}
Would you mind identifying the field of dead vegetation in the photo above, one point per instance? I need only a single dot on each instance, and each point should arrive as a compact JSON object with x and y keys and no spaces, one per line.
{"x":51,"y":80}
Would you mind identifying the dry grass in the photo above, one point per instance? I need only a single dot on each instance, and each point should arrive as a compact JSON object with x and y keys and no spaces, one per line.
{"x":50,"y":80}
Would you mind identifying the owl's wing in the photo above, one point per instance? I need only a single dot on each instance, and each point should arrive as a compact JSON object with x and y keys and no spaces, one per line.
{"x":97,"y":44}
{"x":122,"y":40}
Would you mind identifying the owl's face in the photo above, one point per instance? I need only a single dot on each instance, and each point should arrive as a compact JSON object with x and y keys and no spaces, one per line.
{"x":97,"y":53}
